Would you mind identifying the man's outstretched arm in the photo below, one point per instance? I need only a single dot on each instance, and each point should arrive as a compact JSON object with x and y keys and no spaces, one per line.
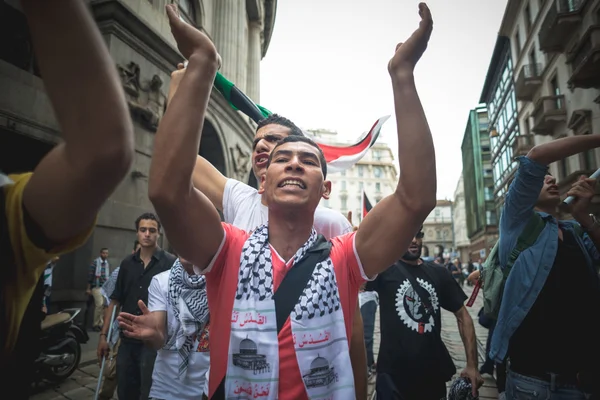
{"x":386,"y":232}
{"x":190,"y":220}
{"x":206,"y":178}
{"x":72,"y":182}
{"x":559,"y":149}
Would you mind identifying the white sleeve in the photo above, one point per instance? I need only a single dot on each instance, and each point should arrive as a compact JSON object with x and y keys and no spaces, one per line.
{"x":157,"y":294}
{"x":234,"y":196}
{"x":331,"y":223}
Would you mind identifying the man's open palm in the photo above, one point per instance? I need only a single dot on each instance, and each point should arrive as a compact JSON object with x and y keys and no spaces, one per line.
{"x":408,"y":53}
{"x":141,"y":327}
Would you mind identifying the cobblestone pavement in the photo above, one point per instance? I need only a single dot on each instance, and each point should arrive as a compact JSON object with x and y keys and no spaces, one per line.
{"x":453,"y":342}
{"x":82,"y":384}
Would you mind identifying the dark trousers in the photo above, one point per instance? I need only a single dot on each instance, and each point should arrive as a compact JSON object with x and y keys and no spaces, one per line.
{"x":368,"y":311}
{"x":407,"y":388}
{"x":135,"y":363}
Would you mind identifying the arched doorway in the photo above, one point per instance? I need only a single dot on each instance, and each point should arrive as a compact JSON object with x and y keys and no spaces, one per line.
{"x":211,"y":148}
{"x":425,"y":251}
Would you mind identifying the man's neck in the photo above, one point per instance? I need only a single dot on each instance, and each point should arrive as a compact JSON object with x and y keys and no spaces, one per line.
{"x":552,"y":210}
{"x":288,"y":232}
{"x":418,"y":261}
{"x":146,"y":254}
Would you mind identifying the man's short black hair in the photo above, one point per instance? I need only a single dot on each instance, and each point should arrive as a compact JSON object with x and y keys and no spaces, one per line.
{"x":277,"y":119}
{"x":103,"y":249}
{"x":303,"y":139}
{"x":146,"y":216}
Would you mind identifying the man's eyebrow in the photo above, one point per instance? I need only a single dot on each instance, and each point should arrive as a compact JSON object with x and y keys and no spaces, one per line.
{"x":301,"y":154}
{"x":269,"y":137}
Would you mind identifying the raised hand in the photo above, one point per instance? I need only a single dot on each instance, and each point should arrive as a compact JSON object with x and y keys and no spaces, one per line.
{"x":408,"y":53}
{"x":142,"y":327}
{"x":583,"y":190}
{"x":189,"y":39}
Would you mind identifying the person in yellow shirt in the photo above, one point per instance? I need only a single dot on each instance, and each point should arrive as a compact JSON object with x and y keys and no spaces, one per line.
{"x":53,"y":210}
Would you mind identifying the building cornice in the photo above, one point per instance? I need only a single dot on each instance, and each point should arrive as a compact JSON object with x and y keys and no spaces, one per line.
{"x":270,"y":11}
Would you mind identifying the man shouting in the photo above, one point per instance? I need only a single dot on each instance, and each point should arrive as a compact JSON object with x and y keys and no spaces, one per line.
{"x":308,"y":358}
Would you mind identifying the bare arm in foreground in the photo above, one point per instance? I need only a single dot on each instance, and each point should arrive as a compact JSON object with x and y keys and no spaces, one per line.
{"x":389,"y":227}
{"x":72,"y":182}
{"x":190,"y":219}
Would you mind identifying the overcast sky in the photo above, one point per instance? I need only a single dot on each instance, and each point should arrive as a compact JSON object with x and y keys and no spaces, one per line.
{"x":326,"y":67}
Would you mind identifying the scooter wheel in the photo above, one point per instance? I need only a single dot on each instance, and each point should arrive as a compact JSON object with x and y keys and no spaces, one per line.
{"x":62,"y":372}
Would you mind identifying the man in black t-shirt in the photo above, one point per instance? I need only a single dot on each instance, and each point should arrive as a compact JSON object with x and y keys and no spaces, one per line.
{"x":412,"y":355}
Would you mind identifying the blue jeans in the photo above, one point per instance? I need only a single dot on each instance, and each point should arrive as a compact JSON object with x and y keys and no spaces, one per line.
{"x":521,"y":387}
{"x":368,"y":311}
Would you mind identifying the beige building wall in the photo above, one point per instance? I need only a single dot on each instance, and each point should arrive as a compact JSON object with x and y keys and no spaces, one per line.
{"x":438,"y":230}
{"x":459,"y":216}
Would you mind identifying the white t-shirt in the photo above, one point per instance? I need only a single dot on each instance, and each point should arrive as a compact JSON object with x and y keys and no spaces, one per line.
{"x":165,"y":381}
{"x":242,"y":208}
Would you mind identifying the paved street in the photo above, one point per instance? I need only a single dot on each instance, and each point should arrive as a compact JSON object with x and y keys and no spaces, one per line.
{"x":82,"y":384}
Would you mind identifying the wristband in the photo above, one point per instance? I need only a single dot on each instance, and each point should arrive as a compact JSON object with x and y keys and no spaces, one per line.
{"x":103,"y":334}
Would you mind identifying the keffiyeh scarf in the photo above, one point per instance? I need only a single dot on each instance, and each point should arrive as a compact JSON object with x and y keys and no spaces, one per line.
{"x":318,"y":329}
{"x":189,"y":304}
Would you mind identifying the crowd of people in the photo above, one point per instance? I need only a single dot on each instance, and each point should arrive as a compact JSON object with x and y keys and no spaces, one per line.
{"x":276,"y":298}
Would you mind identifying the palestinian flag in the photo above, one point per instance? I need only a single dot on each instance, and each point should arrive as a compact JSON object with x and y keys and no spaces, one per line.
{"x":338,"y":158}
{"x":366,"y":205}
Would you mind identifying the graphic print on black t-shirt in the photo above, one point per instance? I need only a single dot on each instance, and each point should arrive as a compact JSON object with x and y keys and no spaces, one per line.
{"x":408,"y":335}
{"x":411,"y":309}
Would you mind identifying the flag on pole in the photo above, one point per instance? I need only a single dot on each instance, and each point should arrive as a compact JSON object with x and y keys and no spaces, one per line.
{"x":338,"y":158}
{"x":366,"y":204}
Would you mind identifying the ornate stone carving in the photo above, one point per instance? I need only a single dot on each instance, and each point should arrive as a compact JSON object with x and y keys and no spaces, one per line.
{"x":146,"y":101}
{"x":241,"y":161}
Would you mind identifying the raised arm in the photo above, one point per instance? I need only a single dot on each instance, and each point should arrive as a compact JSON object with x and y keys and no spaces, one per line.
{"x":386,"y":232}
{"x":206,"y":177}
{"x":190,"y":220}
{"x":72,"y":182}
{"x":524,"y":191}
{"x":559,"y":149}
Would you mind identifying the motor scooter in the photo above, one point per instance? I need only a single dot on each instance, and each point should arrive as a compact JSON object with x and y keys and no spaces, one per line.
{"x":60,"y":345}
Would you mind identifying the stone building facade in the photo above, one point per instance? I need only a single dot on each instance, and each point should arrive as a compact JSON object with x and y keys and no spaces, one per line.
{"x":438,"y":230}
{"x":459,"y":218}
{"x":138,"y":37}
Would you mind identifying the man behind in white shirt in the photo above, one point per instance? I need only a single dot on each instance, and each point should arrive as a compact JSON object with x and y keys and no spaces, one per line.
{"x":169,"y":381}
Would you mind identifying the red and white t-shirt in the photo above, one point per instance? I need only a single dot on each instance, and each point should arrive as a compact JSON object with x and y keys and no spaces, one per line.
{"x":222,"y":280}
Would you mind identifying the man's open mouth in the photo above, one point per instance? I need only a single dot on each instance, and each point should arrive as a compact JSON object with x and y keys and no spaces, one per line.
{"x":293,"y":182}
{"x":261,"y":160}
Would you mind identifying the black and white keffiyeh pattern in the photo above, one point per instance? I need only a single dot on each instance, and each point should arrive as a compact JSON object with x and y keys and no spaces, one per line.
{"x":317,"y":327}
{"x":189,"y":304}
{"x":254,"y":278}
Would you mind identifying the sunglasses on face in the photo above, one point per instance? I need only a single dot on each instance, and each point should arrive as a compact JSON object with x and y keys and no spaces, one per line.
{"x":420,"y":235}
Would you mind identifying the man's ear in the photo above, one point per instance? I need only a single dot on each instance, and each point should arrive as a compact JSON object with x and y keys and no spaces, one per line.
{"x":326,"y":189}
{"x":261,"y":187}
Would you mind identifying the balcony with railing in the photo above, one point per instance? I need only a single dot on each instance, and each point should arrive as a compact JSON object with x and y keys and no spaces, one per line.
{"x":522,"y":145}
{"x":528,"y":81}
{"x":585,"y":60}
{"x":548,"y":113}
{"x":559,"y":24}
